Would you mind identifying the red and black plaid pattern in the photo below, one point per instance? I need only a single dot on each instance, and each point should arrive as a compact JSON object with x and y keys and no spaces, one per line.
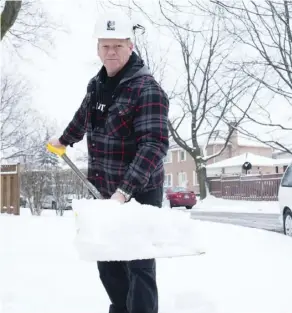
{"x":128,"y":151}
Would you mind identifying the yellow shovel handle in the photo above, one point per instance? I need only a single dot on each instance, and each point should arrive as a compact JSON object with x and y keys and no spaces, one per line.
{"x":60,"y":151}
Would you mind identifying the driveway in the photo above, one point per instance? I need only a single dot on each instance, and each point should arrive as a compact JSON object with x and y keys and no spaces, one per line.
{"x":257,"y":220}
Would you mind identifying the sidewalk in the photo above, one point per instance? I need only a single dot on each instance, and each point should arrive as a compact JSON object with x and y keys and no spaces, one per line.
{"x":212,"y":204}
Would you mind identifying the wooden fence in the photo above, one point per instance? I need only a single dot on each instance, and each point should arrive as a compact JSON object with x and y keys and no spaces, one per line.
{"x":254,"y":188}
{"x":10,"y":189}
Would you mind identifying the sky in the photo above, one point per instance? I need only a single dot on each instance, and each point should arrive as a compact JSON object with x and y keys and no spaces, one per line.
{"x":59,"y":80}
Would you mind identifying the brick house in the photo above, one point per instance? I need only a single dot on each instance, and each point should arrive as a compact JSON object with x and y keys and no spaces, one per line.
{"x":282,"y":154}
{"x":180,"y":168}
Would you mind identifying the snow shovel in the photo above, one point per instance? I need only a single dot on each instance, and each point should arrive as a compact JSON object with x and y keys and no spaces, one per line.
{"x":61,"y":152}
{"x":105,"y":232}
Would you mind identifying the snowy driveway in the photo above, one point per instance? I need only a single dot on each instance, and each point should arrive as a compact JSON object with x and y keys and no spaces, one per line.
{"x":257,"y":220}
{"x":244,"y":270}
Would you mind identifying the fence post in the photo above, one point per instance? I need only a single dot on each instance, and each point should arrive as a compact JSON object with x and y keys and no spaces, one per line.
{"x":240,"y":188}
{"x":10,"y":189}
{"x":262,"y":187}
{"x":16,"y":210}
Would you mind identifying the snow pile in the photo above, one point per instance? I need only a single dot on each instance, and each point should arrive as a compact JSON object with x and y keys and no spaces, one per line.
{"x":107,"y":230}
{"x":254,"y":159}
{"x":213,"y":204}
{"x":243,"y":271}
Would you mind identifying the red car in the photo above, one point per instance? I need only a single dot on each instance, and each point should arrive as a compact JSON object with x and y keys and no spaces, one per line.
{"x":180,"y":196}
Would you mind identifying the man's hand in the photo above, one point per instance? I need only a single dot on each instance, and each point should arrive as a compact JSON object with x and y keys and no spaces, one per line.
{"x":55,"y":142}
{"x":118,"y":197}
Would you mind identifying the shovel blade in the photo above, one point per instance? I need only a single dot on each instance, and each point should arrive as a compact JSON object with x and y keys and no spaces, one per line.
{"x":109,"y":231}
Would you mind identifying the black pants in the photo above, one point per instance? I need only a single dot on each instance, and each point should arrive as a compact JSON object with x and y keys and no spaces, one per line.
{"x":131,"y":285}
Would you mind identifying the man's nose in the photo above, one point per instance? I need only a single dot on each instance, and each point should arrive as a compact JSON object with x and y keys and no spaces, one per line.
{"x":111,"y":51}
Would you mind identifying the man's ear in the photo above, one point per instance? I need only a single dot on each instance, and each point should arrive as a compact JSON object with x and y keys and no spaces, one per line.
{"x":131,"y":45}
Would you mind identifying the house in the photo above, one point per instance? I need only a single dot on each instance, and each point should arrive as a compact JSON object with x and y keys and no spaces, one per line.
{"x":282,"y":154}
{"x":260,"y":165}
{"x":180,"y":168}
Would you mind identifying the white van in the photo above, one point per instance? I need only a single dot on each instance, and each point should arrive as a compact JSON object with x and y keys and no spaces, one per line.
{"x":285,"y":201}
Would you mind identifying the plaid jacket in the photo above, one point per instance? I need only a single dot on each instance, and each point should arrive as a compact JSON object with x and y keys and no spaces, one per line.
{"x":128,"y":152}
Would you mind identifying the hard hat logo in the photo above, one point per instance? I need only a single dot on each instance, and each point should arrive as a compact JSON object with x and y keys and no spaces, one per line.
{"x":111,"y":25}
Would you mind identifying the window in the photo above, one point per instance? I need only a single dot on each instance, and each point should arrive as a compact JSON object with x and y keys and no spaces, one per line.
{"x":182,"y":156}
{"x":179,"y":189}
{"x":168,"y":158}
{"x":168,"y":180}
{"x":195,"y":178}
{"x":287,"y":179}
{"x":182,"y":179}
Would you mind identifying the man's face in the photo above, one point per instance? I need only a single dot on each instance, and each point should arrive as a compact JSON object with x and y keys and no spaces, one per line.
{"x":114,"y":54}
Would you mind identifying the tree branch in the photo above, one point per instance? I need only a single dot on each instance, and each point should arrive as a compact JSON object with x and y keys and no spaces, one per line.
{"x":9,"y":16}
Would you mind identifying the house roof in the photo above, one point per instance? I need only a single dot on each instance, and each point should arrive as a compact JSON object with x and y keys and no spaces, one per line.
{"x":255,"y":160}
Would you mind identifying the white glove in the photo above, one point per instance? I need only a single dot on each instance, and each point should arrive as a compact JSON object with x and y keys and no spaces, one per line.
{"x":55,"y":142}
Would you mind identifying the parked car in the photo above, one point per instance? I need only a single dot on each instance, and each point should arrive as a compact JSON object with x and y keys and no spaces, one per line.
{"x":50,"y":202}
{"x":22,"y":201}
{"x":180,"y":196}
{"x":285,"y":201}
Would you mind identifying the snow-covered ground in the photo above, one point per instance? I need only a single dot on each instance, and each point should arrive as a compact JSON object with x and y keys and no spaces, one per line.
{"x":243,"y":271}
{"x":213,"y":204}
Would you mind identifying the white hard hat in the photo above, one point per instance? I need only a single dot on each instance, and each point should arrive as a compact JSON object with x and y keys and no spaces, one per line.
{"x":113,"y":25}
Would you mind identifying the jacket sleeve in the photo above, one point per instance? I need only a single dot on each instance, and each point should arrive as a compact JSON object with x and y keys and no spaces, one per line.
{"x":76,"y":129}
{"x":151,"y":131}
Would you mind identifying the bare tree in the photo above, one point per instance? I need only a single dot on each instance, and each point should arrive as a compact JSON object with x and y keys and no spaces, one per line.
{"x":22,"y":129}
{"x":145,"y":50}
{"x":34,"y":186}
{"x":16,"y":117}
{"x":27,"y":22}
{"x":209,"y":93}
{"x":37,"y":173}
{"x":263,"y":30}
{"x":65,"y":186}
{"x":262,"y":37}
{"x":9,"y":15}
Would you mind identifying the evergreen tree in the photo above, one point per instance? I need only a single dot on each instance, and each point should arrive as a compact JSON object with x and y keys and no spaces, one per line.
{"x":46,"y":158}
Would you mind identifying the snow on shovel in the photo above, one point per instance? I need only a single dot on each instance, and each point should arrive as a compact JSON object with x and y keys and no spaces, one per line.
{"x":109,"y":231}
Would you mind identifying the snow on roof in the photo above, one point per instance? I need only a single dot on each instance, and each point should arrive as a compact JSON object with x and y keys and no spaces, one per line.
{"x":255,"y":160}
{"x":8,"y":168}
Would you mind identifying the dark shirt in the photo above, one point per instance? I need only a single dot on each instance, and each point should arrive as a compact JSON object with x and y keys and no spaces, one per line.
{"x":103,"y":94}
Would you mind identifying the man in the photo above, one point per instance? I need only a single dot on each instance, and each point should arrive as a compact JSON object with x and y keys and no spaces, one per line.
{"x":124,"y":114}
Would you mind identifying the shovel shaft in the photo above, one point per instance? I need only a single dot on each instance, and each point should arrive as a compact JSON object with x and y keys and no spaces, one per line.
{"x":86,"y":182}
{"x":61,"y":152}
